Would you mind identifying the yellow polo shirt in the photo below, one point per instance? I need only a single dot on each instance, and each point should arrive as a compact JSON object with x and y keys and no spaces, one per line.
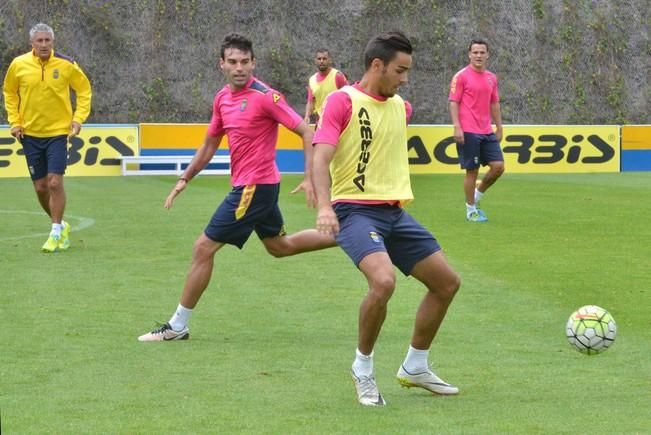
{"x":37,"y":94}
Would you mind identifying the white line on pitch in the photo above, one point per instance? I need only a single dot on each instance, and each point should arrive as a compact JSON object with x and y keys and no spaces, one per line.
{"x":81,"y":224}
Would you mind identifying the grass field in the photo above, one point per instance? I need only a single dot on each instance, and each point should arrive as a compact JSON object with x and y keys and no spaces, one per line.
{"x":273,"y":339}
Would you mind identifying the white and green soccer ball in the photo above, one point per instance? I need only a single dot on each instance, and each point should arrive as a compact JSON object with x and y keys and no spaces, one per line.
{"x":591,"y":329}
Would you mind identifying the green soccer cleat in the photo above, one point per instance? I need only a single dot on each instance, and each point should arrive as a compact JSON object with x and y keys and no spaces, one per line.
{"x":52,"y":243}
{"x":64,"y":243}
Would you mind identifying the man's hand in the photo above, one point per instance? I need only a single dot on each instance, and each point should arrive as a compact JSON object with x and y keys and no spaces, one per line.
{"x":18,"y":132}
{"x":75,"y":128}
{"x":178,"y":188}
{"x":458,"y":135}
{"x":498,"y":133}
{"x":308,"y":188}
{"x":326,"y":221}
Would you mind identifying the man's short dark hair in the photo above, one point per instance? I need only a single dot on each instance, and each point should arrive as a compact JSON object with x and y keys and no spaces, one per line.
{"x":385,"y":46}
{"x":478,"y":41}
{"x":323,"y":50}
{"x":239,"y":42}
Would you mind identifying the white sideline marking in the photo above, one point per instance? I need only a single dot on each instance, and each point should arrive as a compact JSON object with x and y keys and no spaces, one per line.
{"x":82,"y":224}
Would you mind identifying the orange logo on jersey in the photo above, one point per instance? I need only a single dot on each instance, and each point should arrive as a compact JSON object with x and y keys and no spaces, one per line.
{"x":453,"y":85}
{"x":276,"y":98}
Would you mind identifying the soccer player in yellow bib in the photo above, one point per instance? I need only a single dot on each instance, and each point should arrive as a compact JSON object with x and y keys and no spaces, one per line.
{"x":327,"y":79}
{"x":361,"y":180}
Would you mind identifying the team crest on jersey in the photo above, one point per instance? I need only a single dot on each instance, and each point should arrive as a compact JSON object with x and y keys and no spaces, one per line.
{"x":375,"y":237}
{"x":55,"y":74}
{"x":243,"y":104}
{"x":276,"y":97}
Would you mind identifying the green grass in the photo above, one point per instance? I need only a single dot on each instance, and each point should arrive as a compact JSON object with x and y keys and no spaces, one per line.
{"x":273,"y":339}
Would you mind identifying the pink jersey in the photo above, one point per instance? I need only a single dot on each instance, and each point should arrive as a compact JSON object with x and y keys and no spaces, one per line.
{"x":475,"y":91}
{"x":337,"y":114}
{"x":249,"y":117}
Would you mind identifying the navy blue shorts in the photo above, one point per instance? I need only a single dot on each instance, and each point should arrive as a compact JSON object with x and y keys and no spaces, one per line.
{"x":479,"y":149}
{"x":244,"y":210}
{"x":365,"y":229}
{"x":45,"y":155}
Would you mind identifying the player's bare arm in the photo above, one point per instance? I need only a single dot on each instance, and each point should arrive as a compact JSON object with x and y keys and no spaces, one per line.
{"x":306,"y":185}
{"x":309,"y":108}
{"x":326,"y":219}
{"x":201,"y":158}
{"x":454,"y":114}
{"x":496,"y":115}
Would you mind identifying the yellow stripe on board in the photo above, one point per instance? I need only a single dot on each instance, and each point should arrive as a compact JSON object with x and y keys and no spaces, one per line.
{"x":191,"y":136}
{"x":288,"y":140}
{"x":173,"y":136}
{"x":636,"y":137}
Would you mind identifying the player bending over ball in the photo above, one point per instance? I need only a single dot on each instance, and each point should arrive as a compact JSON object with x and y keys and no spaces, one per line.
{"x":361,"y":177}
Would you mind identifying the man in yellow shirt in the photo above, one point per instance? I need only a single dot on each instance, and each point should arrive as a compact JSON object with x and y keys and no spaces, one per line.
{"x":37,"y":99}
{"x":361,"y":180}
{"x":321,"y":83}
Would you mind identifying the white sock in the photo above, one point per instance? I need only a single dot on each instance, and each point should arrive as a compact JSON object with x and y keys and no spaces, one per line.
{"x":470,"y":209}
{"x":180,"y":318}
{"x":478,"y":196}
{"x":416,"y":360}
{"x":56,"y":229}
{"x":363,"y":364}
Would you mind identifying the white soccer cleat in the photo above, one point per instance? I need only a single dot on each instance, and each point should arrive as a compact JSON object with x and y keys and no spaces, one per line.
{"x":427,"y":380}
{"x":165,"y":333}
{"x":367,"y":392}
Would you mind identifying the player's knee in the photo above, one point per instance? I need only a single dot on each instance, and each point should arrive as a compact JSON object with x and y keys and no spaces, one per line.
{"x":54,"y":182}
{"x":41,"y":188}
{"x":203,"y":249}
{"x":382,"y":287}
{"x":455,"y":285}
{"x":498,"y":169}
{"x":277,"y":252}
{"x":450,"y":288}
{"x":278,"y":249}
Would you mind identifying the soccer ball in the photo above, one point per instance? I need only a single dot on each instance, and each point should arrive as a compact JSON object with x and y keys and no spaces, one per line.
{"x":591,"y":329}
